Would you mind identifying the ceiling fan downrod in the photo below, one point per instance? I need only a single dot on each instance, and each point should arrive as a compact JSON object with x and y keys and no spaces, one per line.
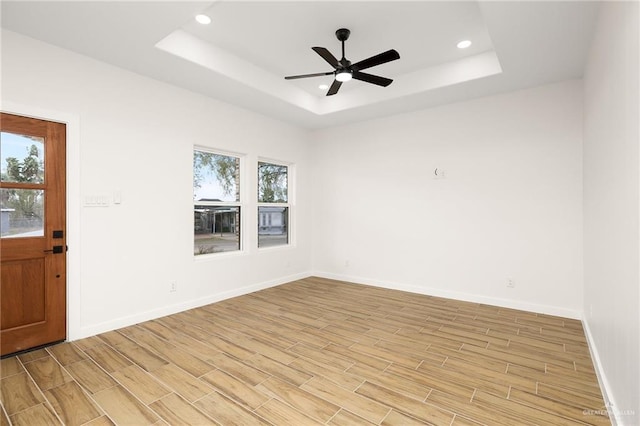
{"x":343,"y":35}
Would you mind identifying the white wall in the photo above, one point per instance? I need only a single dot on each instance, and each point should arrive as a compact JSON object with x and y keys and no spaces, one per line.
{"x":509,"y":206}
{"x":136,"y":135}
{"x":611,"y":209}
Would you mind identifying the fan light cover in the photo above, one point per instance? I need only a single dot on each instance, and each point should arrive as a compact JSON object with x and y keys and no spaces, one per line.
{"x":343,"y":76}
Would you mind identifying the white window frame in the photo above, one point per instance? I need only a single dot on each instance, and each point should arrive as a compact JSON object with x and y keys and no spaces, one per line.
{"x":241,"y":204}
{"x":290,"y":205}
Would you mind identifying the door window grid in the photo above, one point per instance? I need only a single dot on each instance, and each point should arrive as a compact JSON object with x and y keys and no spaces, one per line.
{"x":22,"y":195}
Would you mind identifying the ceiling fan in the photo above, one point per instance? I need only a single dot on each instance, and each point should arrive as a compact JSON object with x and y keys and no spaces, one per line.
{"x":345,"y":70}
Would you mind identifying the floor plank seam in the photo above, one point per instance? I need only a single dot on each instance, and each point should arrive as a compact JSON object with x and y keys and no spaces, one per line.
{"x":46,"y":401}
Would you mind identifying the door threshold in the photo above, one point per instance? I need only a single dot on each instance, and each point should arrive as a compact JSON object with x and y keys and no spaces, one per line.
{"x":26,"y":351}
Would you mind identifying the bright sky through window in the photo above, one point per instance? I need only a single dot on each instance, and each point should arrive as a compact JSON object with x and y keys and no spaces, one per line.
{"x":16,"y":146}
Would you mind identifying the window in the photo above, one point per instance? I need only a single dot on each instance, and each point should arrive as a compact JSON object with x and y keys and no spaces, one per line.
{"x":216,"y":202}
{"x":22,"y":163}
{"x":273,"y":204}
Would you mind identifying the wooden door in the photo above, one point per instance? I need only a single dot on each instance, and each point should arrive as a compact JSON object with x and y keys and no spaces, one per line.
{"x":32,"y":233}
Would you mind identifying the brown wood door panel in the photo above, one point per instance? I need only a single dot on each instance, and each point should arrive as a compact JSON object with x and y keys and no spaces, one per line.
{"x":24,"y":280}
{"x":32,"y":278}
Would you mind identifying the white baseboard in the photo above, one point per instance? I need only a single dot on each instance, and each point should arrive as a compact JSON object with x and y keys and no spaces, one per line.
{"x":179,"y":307}
{"x":607,"y":394}
{"x":103,"y":327}
{"x":467,"y":297}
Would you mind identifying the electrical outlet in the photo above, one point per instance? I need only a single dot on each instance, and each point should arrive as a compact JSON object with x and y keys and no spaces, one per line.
{"x":346,"y":263}
{"x":510,"y":283}
{"x":173,"y":286}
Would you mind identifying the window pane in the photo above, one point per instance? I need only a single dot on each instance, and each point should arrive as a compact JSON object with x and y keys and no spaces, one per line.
{"x":216,"y":229}
{"x":21,"y":158}
{"x":273,"y":226}
{"x":272,"y":183}
{"x":215,"y":177}
{"x":22,"y":212}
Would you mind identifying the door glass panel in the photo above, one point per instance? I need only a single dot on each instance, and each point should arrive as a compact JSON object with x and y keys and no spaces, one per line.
{"x":22,"y":212}
{"x":21,"y":158}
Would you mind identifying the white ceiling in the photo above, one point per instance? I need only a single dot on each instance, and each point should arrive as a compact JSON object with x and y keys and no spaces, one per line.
{"x":243,"y":55}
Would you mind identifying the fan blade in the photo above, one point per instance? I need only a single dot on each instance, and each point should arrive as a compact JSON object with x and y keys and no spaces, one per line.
{"x":318,"y":74}
{"x":381,"y":58}
{"x":370,"y":78}
{"x":334,"y":87}
{"x":327,"y":56}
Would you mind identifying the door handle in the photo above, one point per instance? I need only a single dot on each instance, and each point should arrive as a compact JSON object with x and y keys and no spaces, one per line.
{"x":56,"y":250}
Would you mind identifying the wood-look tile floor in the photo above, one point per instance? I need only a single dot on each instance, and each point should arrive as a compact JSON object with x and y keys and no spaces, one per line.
{"x":310,"y":352}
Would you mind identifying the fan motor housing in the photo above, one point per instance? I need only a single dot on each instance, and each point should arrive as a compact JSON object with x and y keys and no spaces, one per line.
{"x":343,"y":34}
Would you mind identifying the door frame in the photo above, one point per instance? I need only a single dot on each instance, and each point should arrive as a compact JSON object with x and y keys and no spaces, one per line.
{"x":73,"y":205}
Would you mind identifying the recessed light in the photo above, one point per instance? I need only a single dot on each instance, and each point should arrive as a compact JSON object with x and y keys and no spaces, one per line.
{"x":203,"y":19}
{"x":464,"y":44}
{"x":323,"y":87}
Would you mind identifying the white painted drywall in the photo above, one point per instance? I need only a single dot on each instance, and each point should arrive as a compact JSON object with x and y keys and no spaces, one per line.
{"x":611,"y":209}
{"x":509,"y":206}
{"x":136,"y":137}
